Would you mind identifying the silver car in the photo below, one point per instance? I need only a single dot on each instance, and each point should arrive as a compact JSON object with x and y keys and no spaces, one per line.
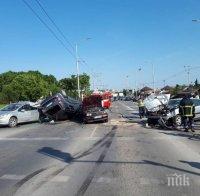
{"x":16,"y":113}
{"x":174,"y":103}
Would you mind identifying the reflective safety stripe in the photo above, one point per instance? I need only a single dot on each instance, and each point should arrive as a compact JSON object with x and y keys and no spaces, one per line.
{"x":187,"y":110}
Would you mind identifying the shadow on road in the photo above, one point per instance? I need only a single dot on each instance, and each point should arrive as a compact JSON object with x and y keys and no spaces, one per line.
{"x":192,"y":164}
{"x":190,"y":136}
{"x":57,"y":154}
{"x":68,"y":158}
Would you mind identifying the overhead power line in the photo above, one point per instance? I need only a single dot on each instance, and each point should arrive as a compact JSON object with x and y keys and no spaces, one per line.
{"x":50,"y":30}
{"x":55,"y":25}
{"x":82,"y":61}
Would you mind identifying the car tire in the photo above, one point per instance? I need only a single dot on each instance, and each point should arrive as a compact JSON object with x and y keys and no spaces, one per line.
{"x":177,"y":120}
{"x":12,"y":122}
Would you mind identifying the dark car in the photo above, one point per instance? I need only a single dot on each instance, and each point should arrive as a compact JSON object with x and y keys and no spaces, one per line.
{"x":94,"y":114}
{"x":58,"y":105}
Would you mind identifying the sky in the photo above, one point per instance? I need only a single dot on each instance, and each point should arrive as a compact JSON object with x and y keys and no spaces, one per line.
{"x":126,"y":35}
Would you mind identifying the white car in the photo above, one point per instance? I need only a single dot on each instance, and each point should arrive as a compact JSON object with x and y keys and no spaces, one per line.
{"x":16,"y":113}
{"x":172,"y":116}
{"x":174,"y":103}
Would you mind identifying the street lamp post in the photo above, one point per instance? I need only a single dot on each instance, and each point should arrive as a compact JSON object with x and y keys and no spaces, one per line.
{"x":153,"y":75}
{"x":77,"y":67}
{"x":187,"y":69}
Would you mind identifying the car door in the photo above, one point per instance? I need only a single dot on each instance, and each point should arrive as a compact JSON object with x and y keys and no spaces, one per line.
{"x":197,"y":108}
{"x":34,"y":114}
{"x":24,"y":113}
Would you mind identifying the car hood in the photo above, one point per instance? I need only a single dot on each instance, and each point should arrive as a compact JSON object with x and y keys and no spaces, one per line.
{"x":4,"y":112}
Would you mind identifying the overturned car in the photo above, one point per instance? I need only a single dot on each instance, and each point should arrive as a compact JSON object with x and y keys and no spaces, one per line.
{"x":59,"y":107}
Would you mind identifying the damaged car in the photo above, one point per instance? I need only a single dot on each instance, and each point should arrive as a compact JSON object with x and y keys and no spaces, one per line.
{"x":169,"y":115}
{"x":93,"y":111}
{"x":59,"y":107}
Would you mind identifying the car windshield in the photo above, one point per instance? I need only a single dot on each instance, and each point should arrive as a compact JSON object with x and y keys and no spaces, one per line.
{"x":11,"y":107}
{"x":173,"y":102}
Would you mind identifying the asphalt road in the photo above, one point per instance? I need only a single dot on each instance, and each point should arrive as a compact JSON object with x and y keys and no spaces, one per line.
{"x":121,"y":157}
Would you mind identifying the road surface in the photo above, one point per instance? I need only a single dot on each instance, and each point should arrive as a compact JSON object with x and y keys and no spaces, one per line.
{"x":121,"y":157}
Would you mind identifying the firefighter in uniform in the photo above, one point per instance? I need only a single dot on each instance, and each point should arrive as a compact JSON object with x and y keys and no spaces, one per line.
{"x":141,"y":108}
{"x":187,"y":112}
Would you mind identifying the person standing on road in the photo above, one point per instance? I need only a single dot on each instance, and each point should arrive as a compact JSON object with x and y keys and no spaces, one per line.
{"x":187,"y":112}
{"x":141,"y":108}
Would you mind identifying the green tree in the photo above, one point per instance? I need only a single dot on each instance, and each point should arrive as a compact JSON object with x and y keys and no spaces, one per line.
{"x":31,"y":85}
{"x":85,"y":83}
{"x":25,"y":87}
{"x":6,"y":78}
{"x":70,"y":84}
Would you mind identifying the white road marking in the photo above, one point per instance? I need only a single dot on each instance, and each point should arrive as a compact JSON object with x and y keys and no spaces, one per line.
{"x":12,"y":177}
{"x":93,"y":132}
{"x":91,"y":138}
{"x":58,"y":178}
{"x":30,"y":139}
{"x":103,"y":180}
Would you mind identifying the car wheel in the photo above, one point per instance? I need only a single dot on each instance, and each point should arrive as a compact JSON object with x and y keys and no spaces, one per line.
{"x":13,"y":122}
{"x":177,"y":120}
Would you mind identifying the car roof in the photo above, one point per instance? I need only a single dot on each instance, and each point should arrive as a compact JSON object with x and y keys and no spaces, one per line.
{"x":21,"y":103}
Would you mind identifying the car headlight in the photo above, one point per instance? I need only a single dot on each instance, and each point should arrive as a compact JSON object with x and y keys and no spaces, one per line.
{"x":3,"y":116}
{"x":88,"y":114}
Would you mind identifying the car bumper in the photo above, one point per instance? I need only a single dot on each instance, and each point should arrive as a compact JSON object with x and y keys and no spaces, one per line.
{"x":4,"y":121}
{"x":93,"y":119}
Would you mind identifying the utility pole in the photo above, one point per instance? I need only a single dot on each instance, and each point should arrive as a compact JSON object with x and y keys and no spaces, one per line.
{"x":77,"y":67}
{"x":127,"y":82}
{"x":140,"y":76}
{"x":187,"y":69}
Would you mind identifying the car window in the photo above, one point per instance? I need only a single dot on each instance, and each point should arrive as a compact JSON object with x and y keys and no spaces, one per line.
{"x":11,"y":107}
{"x":26,"y":108}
